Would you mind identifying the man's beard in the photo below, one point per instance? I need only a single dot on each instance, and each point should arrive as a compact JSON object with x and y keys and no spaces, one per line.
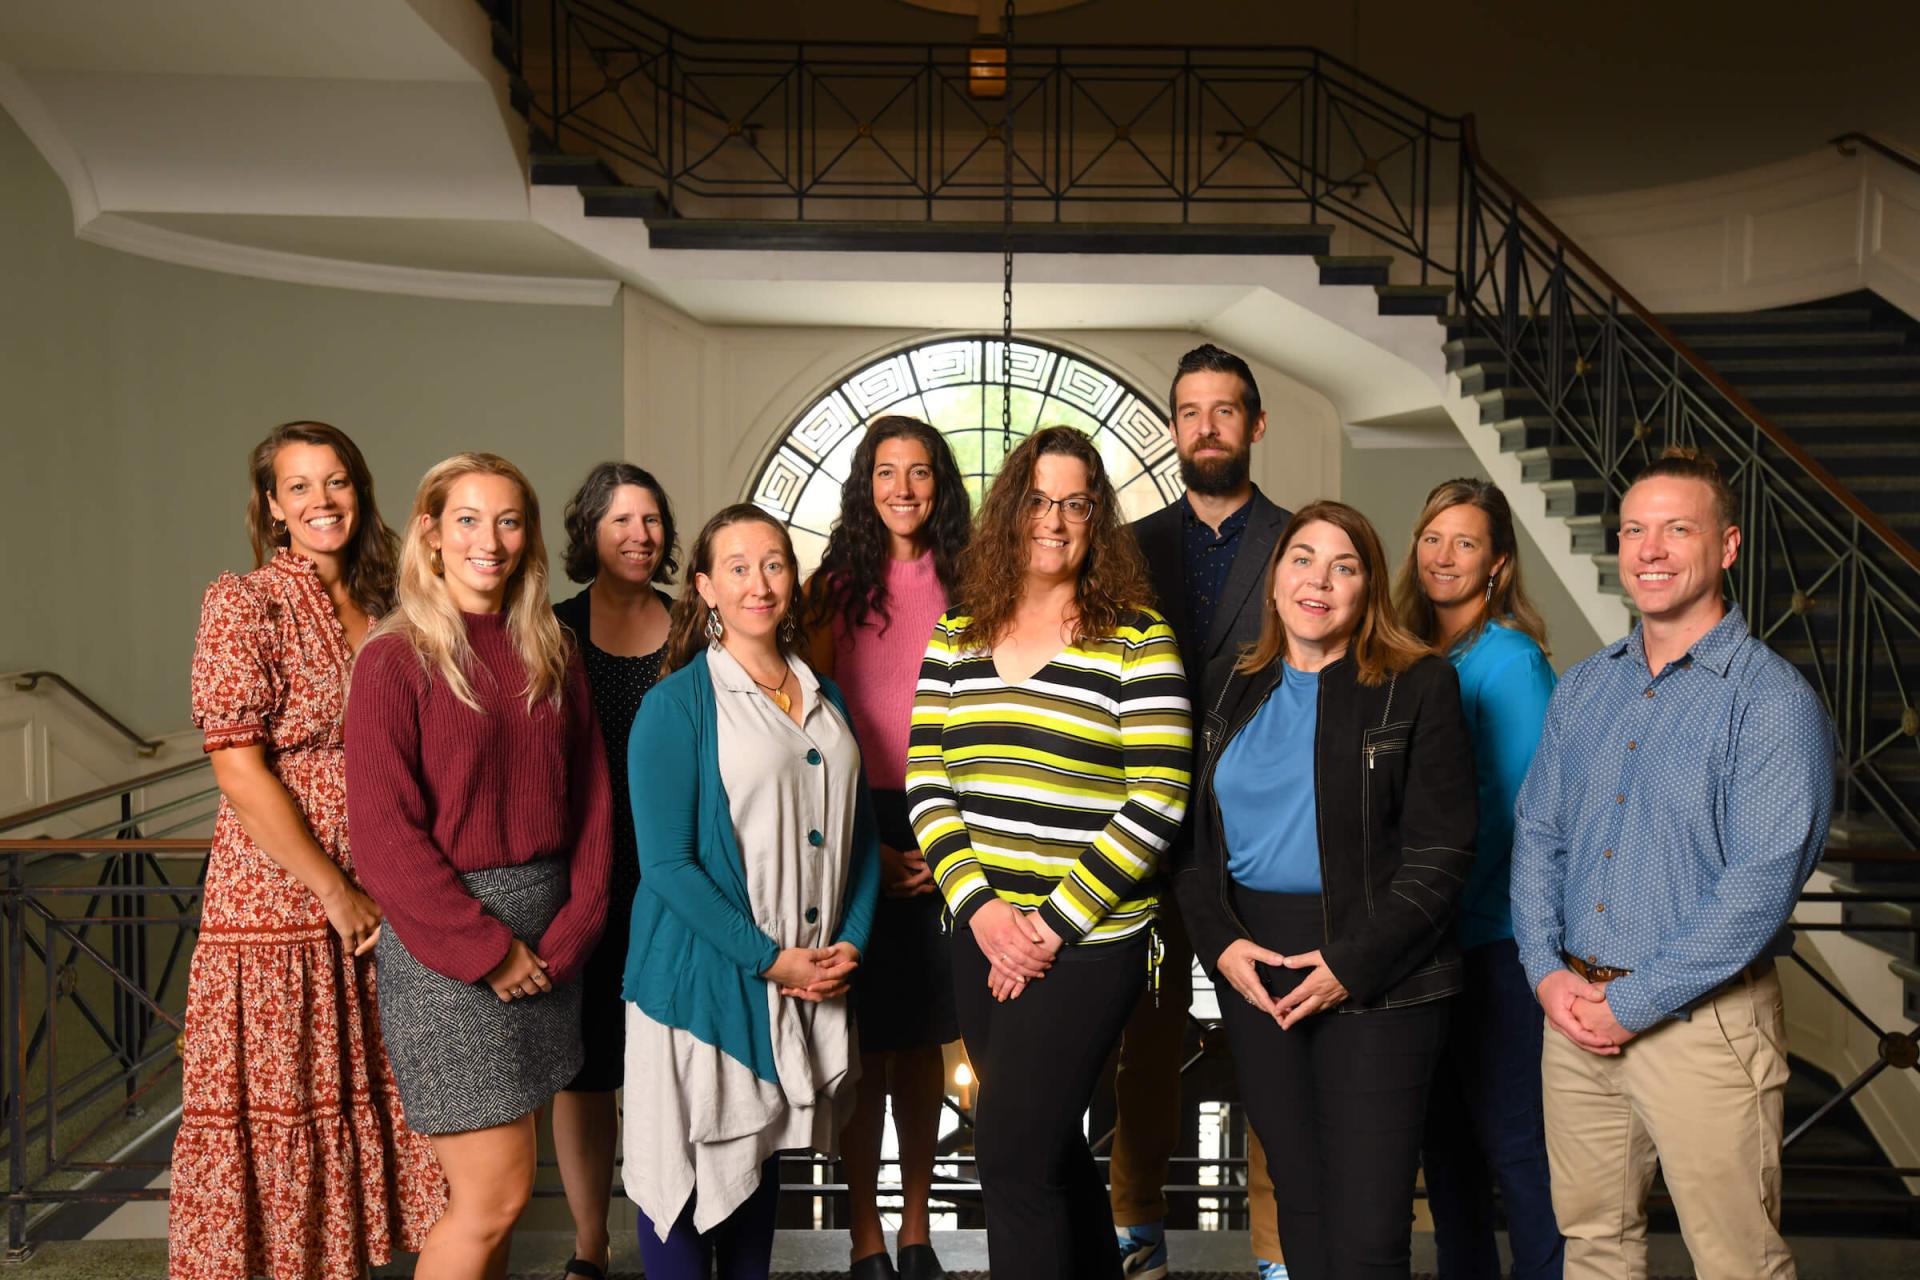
{"x":1216,"y":477}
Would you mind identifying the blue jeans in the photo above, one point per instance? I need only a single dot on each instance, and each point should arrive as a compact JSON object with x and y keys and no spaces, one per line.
{"x":1485,"y":1125}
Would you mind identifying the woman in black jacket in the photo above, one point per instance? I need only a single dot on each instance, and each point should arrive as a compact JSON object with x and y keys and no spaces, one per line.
{"x":1333,"y":825}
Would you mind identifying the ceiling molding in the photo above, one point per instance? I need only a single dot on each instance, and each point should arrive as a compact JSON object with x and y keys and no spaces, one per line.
{"x":19,"y":100}
{"x":132,"y":236}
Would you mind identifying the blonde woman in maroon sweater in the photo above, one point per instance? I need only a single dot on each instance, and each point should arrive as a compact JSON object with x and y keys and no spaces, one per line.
{"x":480,"y":819}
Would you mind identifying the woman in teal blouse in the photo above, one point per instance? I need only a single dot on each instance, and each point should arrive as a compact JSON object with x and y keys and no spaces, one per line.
{"x":1459,"y":590}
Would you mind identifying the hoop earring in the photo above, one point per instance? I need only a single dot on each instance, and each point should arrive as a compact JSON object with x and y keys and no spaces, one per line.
{"x":435,"y":563}
{"x":278,"y":529}
{"x":715,"y":627}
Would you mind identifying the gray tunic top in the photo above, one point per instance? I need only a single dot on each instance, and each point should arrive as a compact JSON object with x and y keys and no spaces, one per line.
{"x":699,"y":1122}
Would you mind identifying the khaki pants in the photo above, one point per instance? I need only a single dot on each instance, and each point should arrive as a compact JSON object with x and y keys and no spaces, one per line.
{"x":1702,"y":1099}
{"x":1146,"y":1088}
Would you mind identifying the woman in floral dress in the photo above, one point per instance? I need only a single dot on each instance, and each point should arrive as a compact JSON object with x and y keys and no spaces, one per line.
{"x":293,"y":1159}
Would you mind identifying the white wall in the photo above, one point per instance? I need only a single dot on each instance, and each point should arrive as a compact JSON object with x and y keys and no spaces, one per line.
{"x":134,"y":389}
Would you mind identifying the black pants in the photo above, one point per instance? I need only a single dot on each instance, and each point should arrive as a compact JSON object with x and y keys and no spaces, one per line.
{"x":1339,"y":1102}
{"x":1038,"y":1058}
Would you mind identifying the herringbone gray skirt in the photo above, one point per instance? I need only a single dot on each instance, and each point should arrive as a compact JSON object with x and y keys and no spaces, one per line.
{"x":465,"y":1059}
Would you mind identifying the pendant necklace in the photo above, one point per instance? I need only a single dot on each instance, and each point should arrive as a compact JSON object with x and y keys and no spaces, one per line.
{"x":781,"y":698}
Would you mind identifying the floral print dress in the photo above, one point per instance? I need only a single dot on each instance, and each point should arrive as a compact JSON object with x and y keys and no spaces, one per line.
{"x":293,"y":1159}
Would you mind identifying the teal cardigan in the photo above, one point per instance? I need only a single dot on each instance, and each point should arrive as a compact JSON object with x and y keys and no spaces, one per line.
{"x":694,"y":953}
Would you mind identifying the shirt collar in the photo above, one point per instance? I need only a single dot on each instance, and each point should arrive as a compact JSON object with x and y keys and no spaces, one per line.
{"x":729,"y":674}
{"x":1231,"y":525}
{"x":1714,"y":650}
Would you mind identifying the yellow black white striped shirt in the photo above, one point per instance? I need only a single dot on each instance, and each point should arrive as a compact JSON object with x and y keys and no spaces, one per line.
{"x":1059,"y":793}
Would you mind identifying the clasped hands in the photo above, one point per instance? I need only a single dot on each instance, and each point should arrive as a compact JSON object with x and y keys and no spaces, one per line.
{"x":814,"y":974}
{"x":904,"y":873}
{"x":1019,"y":946}
{"x":1317,"y":992}
{"x":1578,"y":1010}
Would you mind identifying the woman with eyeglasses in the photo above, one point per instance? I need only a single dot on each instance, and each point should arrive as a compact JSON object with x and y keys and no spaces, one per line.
{"x":1047,"y":773}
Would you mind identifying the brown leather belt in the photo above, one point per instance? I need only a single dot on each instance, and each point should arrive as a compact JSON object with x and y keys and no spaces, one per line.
{"x":1593,"y":972}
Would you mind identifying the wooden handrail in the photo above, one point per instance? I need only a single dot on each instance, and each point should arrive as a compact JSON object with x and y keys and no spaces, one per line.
{"x":1839,"y":492}
{"x":1848,"y":143}
{"x":54,"y":808}
{"x":28,"y":681}
{"x":13,"y":848}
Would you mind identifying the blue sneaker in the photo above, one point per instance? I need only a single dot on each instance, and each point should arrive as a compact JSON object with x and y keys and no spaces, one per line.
{"x":1269,"y":1270}
{"x":1143,"y":1251}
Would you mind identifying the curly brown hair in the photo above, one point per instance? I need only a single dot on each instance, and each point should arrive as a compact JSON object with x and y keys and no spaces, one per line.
{"x":1113,"y":579}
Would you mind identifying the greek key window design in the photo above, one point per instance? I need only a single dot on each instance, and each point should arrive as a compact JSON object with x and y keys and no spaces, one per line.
{"x":956,"y":384}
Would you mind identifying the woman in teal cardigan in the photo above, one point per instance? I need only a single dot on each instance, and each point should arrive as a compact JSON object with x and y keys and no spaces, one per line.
{"x":759,"y":868}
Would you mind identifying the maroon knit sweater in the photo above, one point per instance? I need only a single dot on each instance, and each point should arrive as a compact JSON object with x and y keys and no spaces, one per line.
{"x":435,"y":789}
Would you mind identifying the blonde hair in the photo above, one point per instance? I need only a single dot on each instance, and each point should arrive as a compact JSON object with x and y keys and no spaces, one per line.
{"x":1380,"y":647}
{"x":425,"y":615}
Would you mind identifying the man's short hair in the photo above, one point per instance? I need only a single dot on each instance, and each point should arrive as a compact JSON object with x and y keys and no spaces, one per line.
{"x":1680,"y":462}
{"x":1207,"y":358}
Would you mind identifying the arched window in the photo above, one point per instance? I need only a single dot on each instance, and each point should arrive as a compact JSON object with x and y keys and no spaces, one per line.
{"x":956,"y":384}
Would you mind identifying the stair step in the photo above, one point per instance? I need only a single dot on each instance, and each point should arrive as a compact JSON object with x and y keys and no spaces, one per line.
{"x":1810,"y":319}
{"x":1909,"y":975}
{"x":985,"y":237}
{"x":1595,"y":535}
{"x":1524,"y":433}
{"x":1748,"y":346}
{"x":560,"y":169}
{"x":1553,"y":462}
{"x":1583,"y":497}
{"x":1354,"y":269}
{"x":615,"y":201}
{"x":1890,"y":915}
{"x":1413,"y":299}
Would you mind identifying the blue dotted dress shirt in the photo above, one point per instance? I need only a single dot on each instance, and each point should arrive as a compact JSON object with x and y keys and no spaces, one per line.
{"x":1209,"y":559}
{"x":1669,"y":822}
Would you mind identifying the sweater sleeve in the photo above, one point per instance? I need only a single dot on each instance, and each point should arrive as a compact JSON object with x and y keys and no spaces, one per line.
{"x":1437,"y":826}
{"x":571,"y":935}
{"x":932,"y":804}
{"x":1156,"y":746}
{"x":389,"y":823}
{"x":663,"y":765}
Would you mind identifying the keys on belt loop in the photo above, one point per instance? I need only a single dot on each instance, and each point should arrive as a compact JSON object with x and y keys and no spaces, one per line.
{"x":1156,"y":953}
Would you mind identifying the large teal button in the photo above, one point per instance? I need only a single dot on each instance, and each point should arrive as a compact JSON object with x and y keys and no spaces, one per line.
{"x":815,"y":839}
{"x":813,"y":913}
{"x":813,"y":756}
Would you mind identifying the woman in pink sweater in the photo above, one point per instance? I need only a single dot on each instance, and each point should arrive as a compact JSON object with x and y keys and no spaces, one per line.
{"x":480,"y":820}
{"x":882,"y":584}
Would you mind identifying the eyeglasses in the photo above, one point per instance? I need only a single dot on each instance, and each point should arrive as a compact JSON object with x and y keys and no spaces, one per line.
{"x":1077,"y":510}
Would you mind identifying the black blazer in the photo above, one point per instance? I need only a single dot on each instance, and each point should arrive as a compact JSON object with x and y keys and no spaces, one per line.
{"x":1398,"y":810}
{"x":1236,"y":619}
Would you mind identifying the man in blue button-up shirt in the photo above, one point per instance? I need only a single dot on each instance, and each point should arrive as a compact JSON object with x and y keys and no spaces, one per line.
{"x":1674,"y":810}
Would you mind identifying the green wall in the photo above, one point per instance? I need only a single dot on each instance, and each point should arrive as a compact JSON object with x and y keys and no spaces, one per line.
{"x":1391,"y":485}
{"x":132,"y":390}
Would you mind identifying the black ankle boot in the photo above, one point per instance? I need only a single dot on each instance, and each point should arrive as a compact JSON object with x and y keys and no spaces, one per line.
{"x":919,"y":1262}
{"x":875,"y":1266}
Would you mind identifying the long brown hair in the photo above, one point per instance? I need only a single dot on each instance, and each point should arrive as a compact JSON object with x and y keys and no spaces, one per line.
{"x":687,"y":626}
{"x":426,"y":616}
{"x":1508,"y":600}
{"x":368,"y":570}
{"x":1380,"y":646}
{"x":1113,"y":579}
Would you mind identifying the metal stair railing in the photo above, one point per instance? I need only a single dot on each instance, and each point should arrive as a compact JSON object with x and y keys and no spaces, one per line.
{"x":1816,"y":566}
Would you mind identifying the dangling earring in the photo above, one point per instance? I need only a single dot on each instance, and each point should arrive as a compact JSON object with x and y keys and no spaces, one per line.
{"x":1489,"y":590}
{"x":715,"y":628}
{"x":435,"y":563}
{"x":788,"y":629}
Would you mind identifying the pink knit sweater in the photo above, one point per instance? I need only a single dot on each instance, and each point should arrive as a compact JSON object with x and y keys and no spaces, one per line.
{"x":435,"y":789}
{"x":877,"y":669}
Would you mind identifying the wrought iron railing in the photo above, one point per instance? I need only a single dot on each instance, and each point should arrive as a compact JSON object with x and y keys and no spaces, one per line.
{"x":28,"y":681}
{"x":842,"y":129}
{"x":1820,"y":576}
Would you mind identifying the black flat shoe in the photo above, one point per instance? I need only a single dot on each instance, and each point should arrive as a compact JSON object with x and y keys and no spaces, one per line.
{"x":581,"y":1267}
{"x":875,"y":1266}
{"x":919,"y":1262}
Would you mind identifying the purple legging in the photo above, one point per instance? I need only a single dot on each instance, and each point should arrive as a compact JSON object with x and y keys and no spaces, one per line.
{"x":743,"y":1244}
